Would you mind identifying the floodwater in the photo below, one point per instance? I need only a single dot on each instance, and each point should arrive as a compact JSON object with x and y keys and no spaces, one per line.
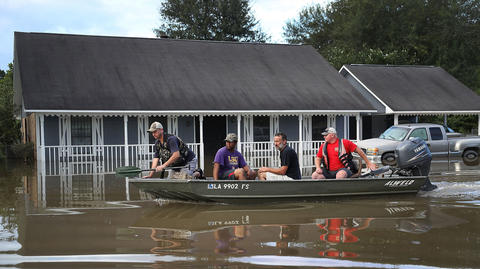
{"x":99,"y":221}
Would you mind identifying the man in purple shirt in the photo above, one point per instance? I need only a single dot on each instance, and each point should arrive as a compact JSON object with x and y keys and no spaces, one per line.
{"x":229,"y":163}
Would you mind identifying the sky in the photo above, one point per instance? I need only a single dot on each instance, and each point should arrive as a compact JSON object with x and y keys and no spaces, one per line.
{"x":117,"y":18}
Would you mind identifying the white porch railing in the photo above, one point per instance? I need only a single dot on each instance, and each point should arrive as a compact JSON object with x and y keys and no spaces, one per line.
{"x":258,"y":154}
{"x":91,"y":159}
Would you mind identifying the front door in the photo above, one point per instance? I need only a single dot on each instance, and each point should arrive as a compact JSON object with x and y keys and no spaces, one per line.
{"x":214,"y":132}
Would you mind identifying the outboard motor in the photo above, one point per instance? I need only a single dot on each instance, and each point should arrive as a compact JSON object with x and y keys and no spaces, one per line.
{"x":413,"y":159}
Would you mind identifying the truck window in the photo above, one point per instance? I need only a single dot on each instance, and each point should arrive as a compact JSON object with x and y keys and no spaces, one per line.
{"x":436,"y":133}
{"x":420,"y":133}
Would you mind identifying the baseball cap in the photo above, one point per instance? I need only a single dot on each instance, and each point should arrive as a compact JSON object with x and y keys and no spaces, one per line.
{"x":231,"y":137}
{"x":329,"y":130}
{"x":155,"y":125}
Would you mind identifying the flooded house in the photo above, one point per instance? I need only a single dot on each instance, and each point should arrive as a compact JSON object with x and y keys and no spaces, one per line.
{"x":87,"y":101}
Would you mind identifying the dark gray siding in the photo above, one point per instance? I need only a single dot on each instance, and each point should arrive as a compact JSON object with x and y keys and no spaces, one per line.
{"x":113,"y":131}
{"x":365,"y":93}
{"x":185,"y":129}
{"x":132,"y":130}
{"x":51,"y":131}
{"x":289,"y":126}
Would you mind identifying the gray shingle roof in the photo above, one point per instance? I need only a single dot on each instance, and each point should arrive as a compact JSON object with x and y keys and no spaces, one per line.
{"x":416,"y":88}
{"x":76,"y":72}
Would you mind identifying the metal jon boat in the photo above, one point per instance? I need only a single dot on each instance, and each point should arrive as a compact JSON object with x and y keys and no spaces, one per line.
{"x":229,"y":191}
{"x":410,"y":176}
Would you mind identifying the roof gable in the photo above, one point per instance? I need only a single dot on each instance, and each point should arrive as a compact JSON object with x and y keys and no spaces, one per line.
{"x":416,"y":88}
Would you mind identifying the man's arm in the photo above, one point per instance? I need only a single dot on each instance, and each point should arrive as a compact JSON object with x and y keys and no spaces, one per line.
{"x":170,"y":160}
{"x":216,"y":168}
{"x":318,"y":165}
{"x":279,"y":171}
{"x":370,"y":165}
{"x":154,"y":165}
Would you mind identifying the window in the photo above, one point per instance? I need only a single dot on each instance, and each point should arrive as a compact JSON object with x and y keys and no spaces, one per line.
{"x":420,"y":133}
{"x":261,"y":128}
{"x":81,"y":130}
{"x":319,"y":123}
{"x":436,"y":133}
{"x":394,"y":133}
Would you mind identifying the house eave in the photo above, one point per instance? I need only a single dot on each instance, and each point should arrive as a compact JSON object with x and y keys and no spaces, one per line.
{"x":197,"y":112}
{"x":453,"y":112}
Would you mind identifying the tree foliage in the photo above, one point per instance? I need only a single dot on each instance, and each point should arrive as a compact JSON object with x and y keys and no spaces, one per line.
{"x":9,"y":126}
{"x":227,"y":20}
{"x":443,"y":33}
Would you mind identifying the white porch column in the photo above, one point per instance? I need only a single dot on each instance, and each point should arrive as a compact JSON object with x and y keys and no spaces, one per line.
{"x":239,"y":132}
{"x":359,"y":127}
{"x":37,"y":137}
{"x":42,"y":139}
{"x":202,"y":148}
{"x":345,"y":127}
{"x":478,"y":125}
{"x":274,"y":125}
{"x":445,"y":120}
{"x":125,"y":132}
{"x":395,"y":119}
{"x":300,"y":141}
{"x":172,"y":125}
{"x":332,"y":121}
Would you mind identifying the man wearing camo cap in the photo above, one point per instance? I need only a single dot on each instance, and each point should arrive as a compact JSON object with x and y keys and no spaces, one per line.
{"x":171,"y":150}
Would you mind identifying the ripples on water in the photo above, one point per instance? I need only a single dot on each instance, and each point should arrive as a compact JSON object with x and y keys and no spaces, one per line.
{"x":86,"y":222}
{"x":461,"y":187}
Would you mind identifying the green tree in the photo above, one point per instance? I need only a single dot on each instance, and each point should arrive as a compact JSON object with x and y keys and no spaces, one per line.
{"x":226,"y":20}
{"x":9,"y":126}
{"x":443,"y":33}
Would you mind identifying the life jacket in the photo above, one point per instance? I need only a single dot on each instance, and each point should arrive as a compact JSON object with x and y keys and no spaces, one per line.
{"x":165,"y":153}
{"x":345,"y":158}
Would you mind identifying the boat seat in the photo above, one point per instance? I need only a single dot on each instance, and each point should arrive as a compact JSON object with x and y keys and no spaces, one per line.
{"x":358,"y":162}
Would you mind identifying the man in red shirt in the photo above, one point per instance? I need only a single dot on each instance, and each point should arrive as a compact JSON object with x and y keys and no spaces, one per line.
{"x":335,"y":161}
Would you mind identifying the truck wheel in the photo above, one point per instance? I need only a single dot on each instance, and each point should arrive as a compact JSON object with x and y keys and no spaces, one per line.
{"x":389,"y":159}
{"x":470,"y":157}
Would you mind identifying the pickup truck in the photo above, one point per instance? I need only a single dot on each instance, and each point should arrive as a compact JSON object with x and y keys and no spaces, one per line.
{"x":444,"y":147}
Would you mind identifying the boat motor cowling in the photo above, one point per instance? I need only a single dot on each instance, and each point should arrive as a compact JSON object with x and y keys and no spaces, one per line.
{"x":414,"y":155}
{"x":414,"y":159}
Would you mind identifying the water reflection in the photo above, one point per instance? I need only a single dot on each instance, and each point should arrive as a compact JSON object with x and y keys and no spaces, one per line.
{"x":89,"y":217}
{"x":336,"y":230}
{"x":280,"y":229}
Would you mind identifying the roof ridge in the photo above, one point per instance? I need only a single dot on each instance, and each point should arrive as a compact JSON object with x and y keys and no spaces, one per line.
{"x":165,"y":39}
{"x":395,"y":65}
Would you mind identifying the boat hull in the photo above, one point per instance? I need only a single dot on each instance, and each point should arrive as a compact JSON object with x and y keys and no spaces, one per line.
{"x":256,"y":190}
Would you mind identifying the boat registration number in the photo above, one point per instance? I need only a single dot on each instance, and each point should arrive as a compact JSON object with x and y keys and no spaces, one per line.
{"x":228,"y":186}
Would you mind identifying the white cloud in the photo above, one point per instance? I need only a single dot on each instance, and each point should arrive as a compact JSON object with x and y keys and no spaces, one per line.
{"x":273,"y":14}
{"x":117,"y":18}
